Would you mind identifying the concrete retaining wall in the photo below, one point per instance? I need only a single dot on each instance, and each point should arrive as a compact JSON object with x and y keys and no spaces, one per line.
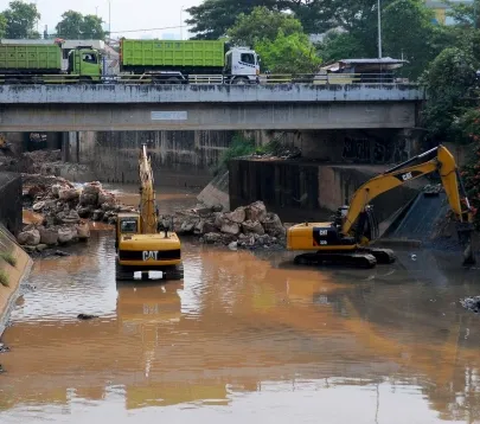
{"x":299,"y":191}
{"x":11,"y":201}
{"x":15,"y":274}
{"x":179,"y":158}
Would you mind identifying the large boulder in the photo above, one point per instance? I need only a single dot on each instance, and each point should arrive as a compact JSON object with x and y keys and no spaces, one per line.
{"x":273,"y":225}
{"x":209,"y":226}
{"x":70,"y":217}
{"x":97,"y":215}
{"x":106,"y":197}
{"x":29,"y":237}
{"x":212,"y":238}
{"x":66,"y":234}
{"x":83,"y":231}
{"x":84,"y":211}
{"x":238,"y":215}
{"x":67,"y":194}
{"x":37,"y":207}
{"x":256,"y":211}
{"x":90,"y":194}
{"x":48,"y":236}
{"x":88,"y":199}
{"x":253,"y":227}
{"x":230,"y":227}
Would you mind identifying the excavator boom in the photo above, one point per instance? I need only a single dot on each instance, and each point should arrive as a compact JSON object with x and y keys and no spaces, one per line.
{"x":148,"y":213}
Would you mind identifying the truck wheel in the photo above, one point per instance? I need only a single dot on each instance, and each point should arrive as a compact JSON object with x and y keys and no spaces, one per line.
{"x":240,"y":81}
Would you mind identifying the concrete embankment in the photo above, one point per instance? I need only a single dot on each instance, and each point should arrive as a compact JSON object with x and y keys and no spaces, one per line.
{"x":15,"y":264}
{"x":15,"y":267}
{"x":302,"y":190}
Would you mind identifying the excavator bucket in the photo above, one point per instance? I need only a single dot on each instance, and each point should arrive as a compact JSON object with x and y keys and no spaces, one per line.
{"x":465,"y":232}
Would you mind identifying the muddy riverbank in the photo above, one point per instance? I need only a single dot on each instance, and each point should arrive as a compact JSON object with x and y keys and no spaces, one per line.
{"x":243,"y":334}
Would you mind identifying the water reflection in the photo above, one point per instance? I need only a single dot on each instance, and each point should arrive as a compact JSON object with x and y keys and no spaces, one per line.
{"x":245,"y":335}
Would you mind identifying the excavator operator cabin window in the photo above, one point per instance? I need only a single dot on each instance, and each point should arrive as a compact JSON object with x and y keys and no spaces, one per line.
{"x":129,"y":226}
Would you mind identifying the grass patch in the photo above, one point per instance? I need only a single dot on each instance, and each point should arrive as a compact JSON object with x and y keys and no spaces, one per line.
{"x":9,"y":258}
{"x":4,"y":279}
{"x":244,"y":146}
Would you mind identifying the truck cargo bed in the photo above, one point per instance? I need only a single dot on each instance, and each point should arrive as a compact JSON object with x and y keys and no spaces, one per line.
{"x":17,"y":58}
{"x":164,"y":55}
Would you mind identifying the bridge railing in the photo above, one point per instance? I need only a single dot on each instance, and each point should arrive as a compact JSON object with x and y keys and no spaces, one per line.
{"x":209,"y":79}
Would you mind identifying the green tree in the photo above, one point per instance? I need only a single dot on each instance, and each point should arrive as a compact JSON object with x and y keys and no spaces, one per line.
{"x":408,"y":31}
{"x":76,"y":26}
{"x":3,"y":25}
{"x":450,"y":83}
{"x":21,"y":19}
{"x":341,"y":45}
{"x":212,"y":19}
{"x":262,"y":24}
{"x":290,"y":54}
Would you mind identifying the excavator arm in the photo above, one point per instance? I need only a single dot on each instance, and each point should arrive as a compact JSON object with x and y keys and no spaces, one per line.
{"x":148,"y":210}
{"x":444,"y":163}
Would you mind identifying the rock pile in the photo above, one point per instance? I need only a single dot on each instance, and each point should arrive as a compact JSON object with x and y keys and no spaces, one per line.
{"x":66,"y":210}
{"x":249,"y":227}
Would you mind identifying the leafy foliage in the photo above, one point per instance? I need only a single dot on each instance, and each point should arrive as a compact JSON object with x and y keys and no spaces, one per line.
{"x":290,"y":54}
{"x":3,"y":25}
{"x":9,"y":258}
{"x":262,"y":24}
{"x":212,"y":19}
{"x":74,"y":25}
{"x":4,"y":281}
{"x":471,"y":173}
{"x":21,"y":19}
{"x":449,"y":80}
{"x":409,"y":32}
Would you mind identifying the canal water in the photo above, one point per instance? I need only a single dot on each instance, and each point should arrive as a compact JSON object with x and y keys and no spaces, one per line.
{"x":245,"y":337}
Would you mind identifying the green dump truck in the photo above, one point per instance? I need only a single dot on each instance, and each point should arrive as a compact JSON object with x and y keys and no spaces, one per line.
{"x":176,"y":61}
{"x":20,"y":62}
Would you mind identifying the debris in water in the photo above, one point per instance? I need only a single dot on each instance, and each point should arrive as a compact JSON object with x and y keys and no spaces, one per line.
{"x":86,"y":316}
{"x":1,"y":369}
{"x":413,"y":257}
{"x":4,"y":348}
{"x":471,"y":303}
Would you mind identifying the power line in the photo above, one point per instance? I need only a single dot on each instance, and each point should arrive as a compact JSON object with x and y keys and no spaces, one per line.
{"x":147,"y":29}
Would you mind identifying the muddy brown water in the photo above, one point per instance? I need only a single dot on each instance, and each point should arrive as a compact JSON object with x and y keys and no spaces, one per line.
{"x":244,"y":337}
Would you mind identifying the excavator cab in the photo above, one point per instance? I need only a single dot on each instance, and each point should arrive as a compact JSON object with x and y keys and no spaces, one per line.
{"x":126,"y":224}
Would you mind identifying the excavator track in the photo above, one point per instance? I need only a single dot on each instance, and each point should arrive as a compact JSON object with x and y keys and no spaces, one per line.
{"x":354,"y":259}
{"x":383,"y":256}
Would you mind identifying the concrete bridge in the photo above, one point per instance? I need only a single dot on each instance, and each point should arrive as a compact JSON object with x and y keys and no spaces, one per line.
{"x":207,"y":107}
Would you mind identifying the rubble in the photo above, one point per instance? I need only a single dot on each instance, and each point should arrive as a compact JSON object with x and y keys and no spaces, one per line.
{"x":471,"y":303}
{"x":247,"y":227}
{"x":66,"y":210}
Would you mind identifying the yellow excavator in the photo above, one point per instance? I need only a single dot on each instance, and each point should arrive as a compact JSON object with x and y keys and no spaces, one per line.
{"x":141,"y":245}
{"x":346,"y":240}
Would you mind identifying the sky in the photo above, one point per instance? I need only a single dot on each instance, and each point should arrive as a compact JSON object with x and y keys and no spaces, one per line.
{"x":125,"y":14}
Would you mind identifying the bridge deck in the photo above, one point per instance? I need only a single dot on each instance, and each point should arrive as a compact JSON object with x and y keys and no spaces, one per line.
{"x":281,"y":93}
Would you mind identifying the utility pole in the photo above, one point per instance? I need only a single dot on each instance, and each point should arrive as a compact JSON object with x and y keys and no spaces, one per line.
{"x":109,"y":20}
{"x":181,"y":22}
{"x":379,"y":30}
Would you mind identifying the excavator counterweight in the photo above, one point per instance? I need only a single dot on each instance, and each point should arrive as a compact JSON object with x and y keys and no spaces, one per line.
{"x":347,"y":239}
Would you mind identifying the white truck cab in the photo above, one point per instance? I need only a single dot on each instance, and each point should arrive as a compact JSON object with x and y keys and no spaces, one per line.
{"x":242,"y":66}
